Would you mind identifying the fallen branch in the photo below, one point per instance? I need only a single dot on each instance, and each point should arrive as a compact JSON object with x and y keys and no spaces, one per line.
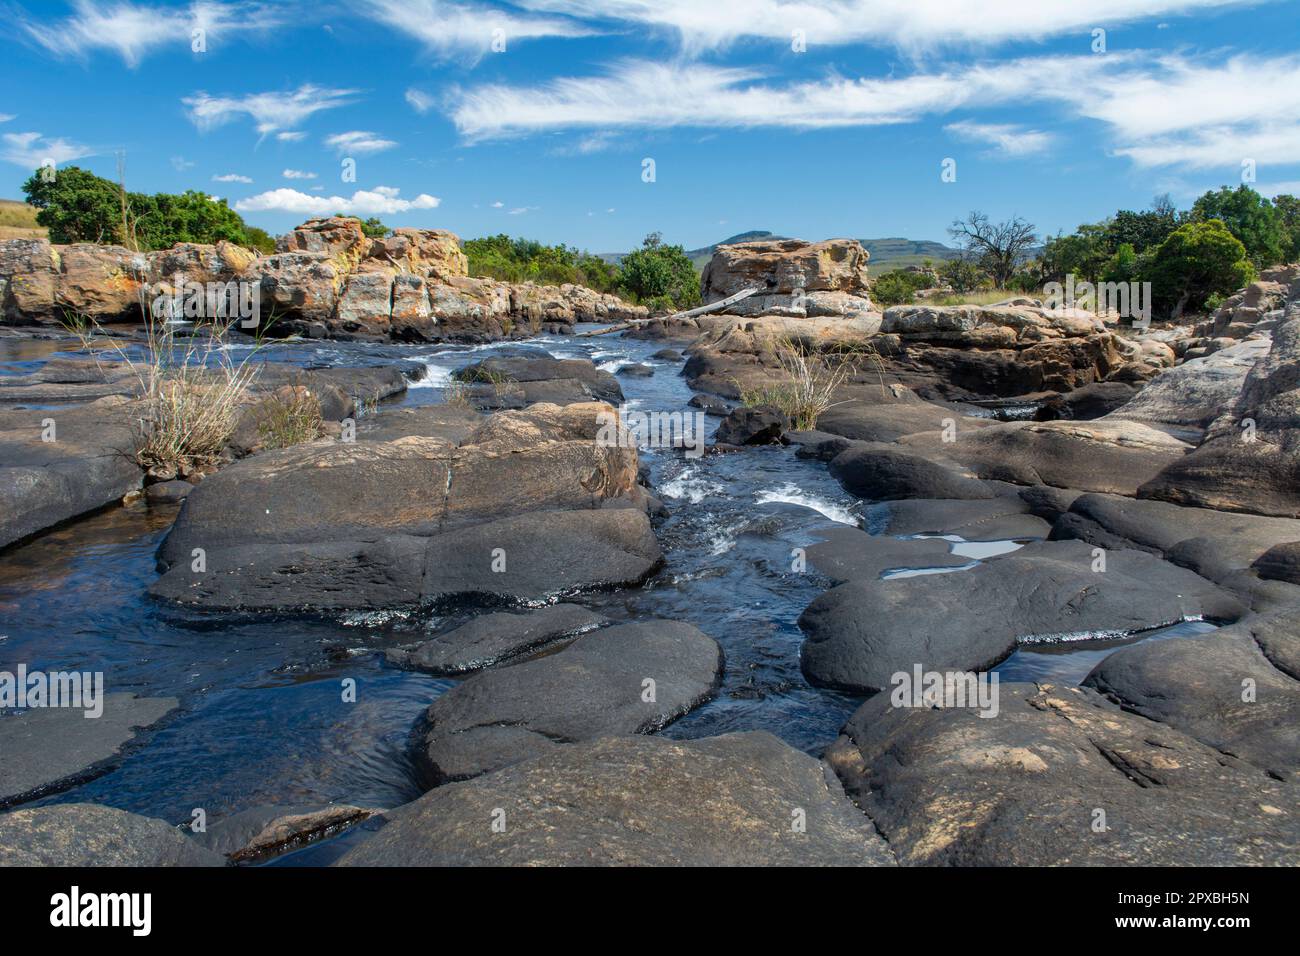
{"x":689,"y":313}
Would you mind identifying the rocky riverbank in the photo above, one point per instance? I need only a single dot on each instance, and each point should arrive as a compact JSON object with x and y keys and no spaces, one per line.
{"x":991,"y":480}
{"x":327,"y":279}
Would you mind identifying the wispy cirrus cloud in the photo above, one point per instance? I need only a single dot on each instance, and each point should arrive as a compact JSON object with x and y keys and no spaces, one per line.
{"x":420,"y":101}
{"x":468,"y":29}
{"x":297,"y":174}
{"x":32,"y":150}
{"x":1168,"y":110}
{"x":133,"y":30}
{"x":380,"y":201}
{"x":359,"y":141}
{"x":640,"y":93}
{"x":231,"y":178}
{"x":913,"y":25}
{"x":1006,"y":139}
{"x":271,"y":111}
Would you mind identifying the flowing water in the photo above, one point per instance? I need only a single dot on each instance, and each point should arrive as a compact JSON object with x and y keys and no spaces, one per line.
{"x":259,"y":721}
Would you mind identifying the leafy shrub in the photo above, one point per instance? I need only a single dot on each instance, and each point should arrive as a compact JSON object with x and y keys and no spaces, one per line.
{"x":656,"y":270}
{"x":898,"y":287}
{"x":526,"y":260}
{"x":78,"y":206}
{"x":1196,"y":261}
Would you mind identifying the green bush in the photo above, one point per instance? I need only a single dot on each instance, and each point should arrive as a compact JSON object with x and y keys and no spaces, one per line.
{"x":897,"y":287}
{"x":78,"y":206}
{"x":657,"y":270}
{"x":1250,"y":217}
{"x":1198,"y":260}
{"x":526,"y":260}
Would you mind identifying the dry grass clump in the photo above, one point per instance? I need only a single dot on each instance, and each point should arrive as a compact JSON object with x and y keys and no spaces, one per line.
{"x":192,"y":390}
{"x":809,"y":379}
{"x":290,"y":416}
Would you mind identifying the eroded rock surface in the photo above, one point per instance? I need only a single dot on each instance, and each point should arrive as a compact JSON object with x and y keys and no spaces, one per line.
{"x":636,"y":801}
{"x":595,"y":686}
{"x":946,"y":786}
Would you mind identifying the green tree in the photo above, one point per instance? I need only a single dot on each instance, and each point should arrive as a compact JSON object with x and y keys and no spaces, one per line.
{"x":1198,"y":260}
{"x":1288,"y":210}
{"x":76,"y":205}
{"x":657,"y":270}
{"x":1142,"y":230}
{"x":1082,"y":254}
{"x":1250,"y":217}
{"x":1126,"y":265}
{"x":162,"y":220}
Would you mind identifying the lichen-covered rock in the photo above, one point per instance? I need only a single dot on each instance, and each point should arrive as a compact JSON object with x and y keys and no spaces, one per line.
{"x":793,"y":277}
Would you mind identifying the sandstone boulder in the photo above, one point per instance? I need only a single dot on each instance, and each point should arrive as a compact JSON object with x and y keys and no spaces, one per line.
{"x":1250,"y":458}
{"x":787,"y":272}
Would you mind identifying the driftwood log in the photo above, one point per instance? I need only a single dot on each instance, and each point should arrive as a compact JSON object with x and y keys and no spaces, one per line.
{"x":701,"y":310}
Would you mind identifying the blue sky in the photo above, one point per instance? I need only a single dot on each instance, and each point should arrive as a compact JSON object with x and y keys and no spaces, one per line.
{"x":547,"y":138}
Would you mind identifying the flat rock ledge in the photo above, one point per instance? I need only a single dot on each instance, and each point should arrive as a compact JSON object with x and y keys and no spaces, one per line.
{"x":627,"y":679}
{"x":491,"y":639}
{"x":45,"y":750}
{"x":1234,"y":689}
{"x":515,"y":507}
{"x":862,"y":632}
{"x":84,"y":834}
{"x":636,"y":801}
{"x":1061,"y":776}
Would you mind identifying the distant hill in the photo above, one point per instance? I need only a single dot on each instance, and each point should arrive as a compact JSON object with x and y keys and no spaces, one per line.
{"x":886,"y":254}
{"x":18,"y":221}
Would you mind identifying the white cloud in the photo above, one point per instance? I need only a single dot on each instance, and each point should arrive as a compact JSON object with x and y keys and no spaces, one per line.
{"x":6,"y":117}
{"x":1277,"y":189}
{"x":466,"y":28}
{"x":358,"y":141}
{"x":1179,"y":112}
{"x":32,"y":150}
{"x":498,"y":204}
{"x":231,"y":178}
{"x":270,"y":111}
{"x":1008,"y":139}
{"x":639,"y":93}
{"x":420,"y":101}
{"x":180,"y":163}
{"x":133,"y":30}
{"x":586,"y":145}
{"x":380,"y":201}
{"x":297,"y":174}
{"x":913,"y":25}
{"x":1156,"y":110}
{"x":291,"y":136}
{"x":520,"y":210}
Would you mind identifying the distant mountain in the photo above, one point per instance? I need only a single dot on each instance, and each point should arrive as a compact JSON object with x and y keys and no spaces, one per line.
{"x":886,"y":254}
